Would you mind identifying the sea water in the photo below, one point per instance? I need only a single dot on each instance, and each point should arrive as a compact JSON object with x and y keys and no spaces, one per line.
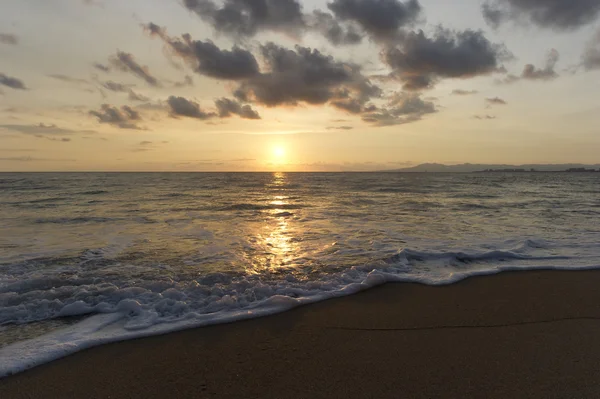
{"x":92,"y":258}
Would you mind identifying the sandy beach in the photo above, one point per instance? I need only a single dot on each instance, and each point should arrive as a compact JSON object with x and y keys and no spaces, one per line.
{"x":513,"y":335}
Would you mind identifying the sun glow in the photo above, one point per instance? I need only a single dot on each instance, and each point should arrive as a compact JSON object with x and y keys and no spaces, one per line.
{"x":279,"y":153}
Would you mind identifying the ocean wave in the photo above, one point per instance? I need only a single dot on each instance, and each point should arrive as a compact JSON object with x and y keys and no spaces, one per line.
{"x":123,"y":308}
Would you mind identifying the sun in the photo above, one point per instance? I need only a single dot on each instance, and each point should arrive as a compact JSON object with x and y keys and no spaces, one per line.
{"x":279,"y":152}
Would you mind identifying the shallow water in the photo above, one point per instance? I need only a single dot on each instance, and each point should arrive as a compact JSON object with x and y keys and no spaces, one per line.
{"x":135,"y":254}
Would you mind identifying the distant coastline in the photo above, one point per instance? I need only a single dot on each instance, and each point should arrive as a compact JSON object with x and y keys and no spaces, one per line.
{"x":491,"y":168}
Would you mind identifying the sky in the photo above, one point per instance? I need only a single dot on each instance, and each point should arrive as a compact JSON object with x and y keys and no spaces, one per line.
{"x":296,"y":85}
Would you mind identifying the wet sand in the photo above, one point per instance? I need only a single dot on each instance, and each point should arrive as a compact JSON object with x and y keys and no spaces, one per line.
{"x":514,"y":335}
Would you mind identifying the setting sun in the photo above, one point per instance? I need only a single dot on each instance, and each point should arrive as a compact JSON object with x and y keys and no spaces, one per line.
{"x":279,"y":152}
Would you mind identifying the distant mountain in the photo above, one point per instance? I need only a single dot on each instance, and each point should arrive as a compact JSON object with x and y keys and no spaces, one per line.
{"x":468,"y":167}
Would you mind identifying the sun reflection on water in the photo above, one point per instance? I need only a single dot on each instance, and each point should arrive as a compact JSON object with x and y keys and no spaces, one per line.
{"x":277,"y":235}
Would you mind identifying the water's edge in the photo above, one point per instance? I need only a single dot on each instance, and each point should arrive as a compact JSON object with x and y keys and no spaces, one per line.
{"x":102,"y":329}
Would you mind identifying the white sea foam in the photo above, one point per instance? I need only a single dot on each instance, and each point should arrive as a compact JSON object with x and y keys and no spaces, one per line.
{"x":136,"y":312}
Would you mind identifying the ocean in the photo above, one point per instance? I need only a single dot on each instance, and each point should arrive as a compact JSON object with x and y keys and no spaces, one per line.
{"x":92,"y":258}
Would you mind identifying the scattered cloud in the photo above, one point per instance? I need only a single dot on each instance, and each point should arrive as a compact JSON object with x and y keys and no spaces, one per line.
{"x":419,"y":61}
{"x":180,"y":106}
{"x":123,"y":88}
{"x":227,"y":107}
{"x":126,"y":62}
{"x":305,"y":75}
{"x":11,"y":82}
{"x":460,"y":92}
{"x":32,"y":159}
{"x":123,"y":118}
{"x":402,"y":108}
{"x":207,"y":59}
{"x":42,"y":129}
{"x":562,"y":15}
{"x":591,"y":54}
{"x":340,"y":128}
{"x":187,"y":81}
{"x":69,"y":79}
{"x":101,"y":67}
{"x":484,"y":117}
{"x":531,"y":72}
{"x":244,"y":18}
{"x":7,"y":38}
{"x":381,"y":19}
{"x":495,"y":101}
{"x":333,"y":30}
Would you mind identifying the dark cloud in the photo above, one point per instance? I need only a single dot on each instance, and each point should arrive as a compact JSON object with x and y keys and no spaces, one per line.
{"x":124,"y":117}
{"x":127,"y":63}
{"x":340,"y":128}
{"x":102,"y":67}
{"x":495,"y":101}
{"x":227,"y":107}
{"x":402,"y":108}
{"x":460,"y":92}
{"x":11,"y":82}
{"x":208,"y":59}
{"x":419,"y":61}
{"x":591,"y":54}
{"x":382,"y":19}
{"x":554,"y":14}
{"x":69,"y":79}
{"x":484,"y":117}
{"x":333,"y":30}
{"x":245,"y":18}
{"x":306,"y":75}
{"x":180,"y":106}
{"x":7,"y":38}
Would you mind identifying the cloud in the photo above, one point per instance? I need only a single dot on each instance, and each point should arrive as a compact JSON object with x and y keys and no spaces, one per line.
{"x":305,"y":75}
{"x":340,"y":128}
{"x":7,"y":38}
{"x":460,"y":92}
{"x":187,"y":81}
{"x":333,"y":30}
{"x":484,"y":117}
{"x":227,"y":107}
{"x":591,"y":54}
{"x":208,"y":59}
{"x":245,"y":18}
{"x":69,"y":79}
{"x":122,"y":88}
{"x":419,"y":61}
{"x":123,"y":118}
{"x":402,"y":108}
{"x":45,"y":131}
{"x":382,"y":19}
{"x":11,"y":82}
{"x":531,"y":72}
{"x":562,"y":15}
{"x":495,"y":101}
{"x":127,"y":63}
{"x":180,"y":106}
{"x":32,"y":159}
{"x":114,"y":86}
{"x":101,"y":67}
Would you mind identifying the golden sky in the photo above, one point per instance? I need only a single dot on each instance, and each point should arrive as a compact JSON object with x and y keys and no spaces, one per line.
{"x":232,"y":85}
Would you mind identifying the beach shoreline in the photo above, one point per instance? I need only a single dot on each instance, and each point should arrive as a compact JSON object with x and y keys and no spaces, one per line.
{"x":516,"y":334}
